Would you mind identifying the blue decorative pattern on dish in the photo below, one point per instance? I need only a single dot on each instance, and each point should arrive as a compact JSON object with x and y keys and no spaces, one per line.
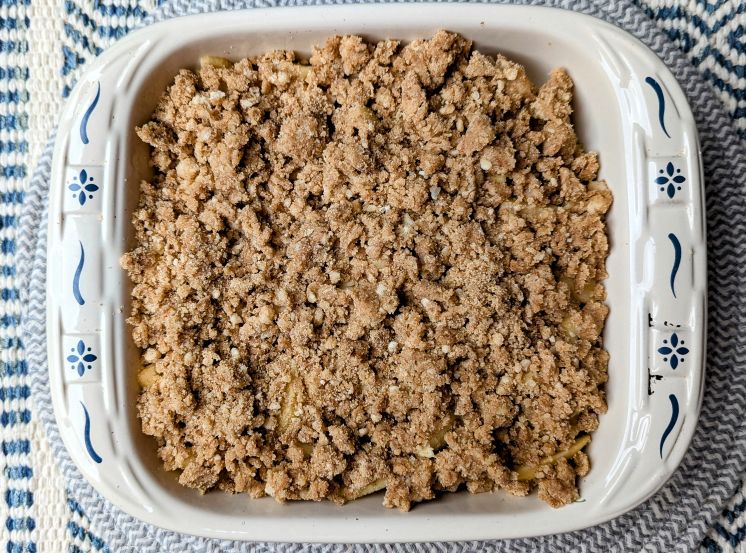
{"x":674,"y":352}
{"x":87,"y":436}
{"x":676,"y":261}
{"x":81,"y":357}
{"x":661,"y":102}
{"x":83,"y":187}
{"x":76,"y":277}
{"x":671,"y":423}
{"x":670,"y":180}
{"x":87,"y":115}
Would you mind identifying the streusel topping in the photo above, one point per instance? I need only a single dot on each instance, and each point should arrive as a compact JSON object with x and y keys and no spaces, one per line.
{"x":378,"y":269}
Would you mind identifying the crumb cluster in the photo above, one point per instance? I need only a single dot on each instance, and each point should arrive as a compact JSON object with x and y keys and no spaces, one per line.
{"x":376,"y":269}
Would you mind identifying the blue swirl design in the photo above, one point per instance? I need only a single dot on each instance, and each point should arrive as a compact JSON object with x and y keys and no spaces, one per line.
{"x":672,"y":422}
{"x":676,"y":260}
{"x":76,"y":277}
{"x":661,"y":102}
{"x":87,"y":436}
{"x":87,"y":115}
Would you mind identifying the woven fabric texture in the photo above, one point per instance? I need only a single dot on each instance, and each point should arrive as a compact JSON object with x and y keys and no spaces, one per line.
{"x":47,"y":506}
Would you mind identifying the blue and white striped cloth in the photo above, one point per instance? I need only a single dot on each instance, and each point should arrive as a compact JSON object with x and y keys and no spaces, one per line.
{"x":43,"y":46}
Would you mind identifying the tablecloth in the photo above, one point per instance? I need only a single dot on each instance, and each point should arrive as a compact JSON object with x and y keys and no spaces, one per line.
{"x":44,"y":44}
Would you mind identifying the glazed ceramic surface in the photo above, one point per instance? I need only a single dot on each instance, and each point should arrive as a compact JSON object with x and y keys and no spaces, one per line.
{"x":629,"y":108}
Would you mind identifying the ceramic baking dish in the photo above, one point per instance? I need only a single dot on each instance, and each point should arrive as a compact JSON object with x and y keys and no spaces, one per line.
{"x":628,"y":107}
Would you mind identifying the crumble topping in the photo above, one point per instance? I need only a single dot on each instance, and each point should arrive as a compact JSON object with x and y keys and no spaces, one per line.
{"x":377,"y":269}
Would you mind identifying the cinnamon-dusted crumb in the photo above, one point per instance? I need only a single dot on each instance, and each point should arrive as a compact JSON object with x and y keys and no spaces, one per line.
{"x":382,"y":270}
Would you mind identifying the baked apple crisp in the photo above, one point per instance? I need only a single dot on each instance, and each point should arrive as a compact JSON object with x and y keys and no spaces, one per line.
{"x":377,"y":269}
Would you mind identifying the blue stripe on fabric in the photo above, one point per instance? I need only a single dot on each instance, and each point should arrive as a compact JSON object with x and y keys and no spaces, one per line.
{"x":71,"y":61}
{"x":12,"y":197}
{"x":738,"y":93}
{"x":686,"y":43}
{"x":10,"y":418}
{"x":13,"y":46}
{"x":678,"y":12}
{"x":66,"y":90}
{"x":73,"y":9}
{"x":647,"y":10}
{"x":8,"y":246}
{"x":732,"y":539}
{"x":75,"y":507}
{"x":732,"y":514}
{"x":682,"y":38}
{"x":14,"y":23}
{"x":80,"y":533}
{"x":740,"y":8}
{"x":112,"y":32}
{"x":21,"y":547}
{"x":13,"y":368}
{"x":9,"y":147}
{"x":18,"y":472}
{"x":9,"y":3}
{"x":80,"y":38}
{"x":11,"y":121}
{"x":19,"y":498}
{"x":711,"y":546}
{"x":15,"y":72}
{"x":9,"y":320}
{"x":98,"y":543}
{"x":736,"y":40}
{"x":14,"y":171}
{"x":16,"y":447}
{"x":10,"y":342}
{"x":113,"y":10}
{"x":20,"y":524}
{"x":9,"y":294}
{"x":15,"y":392}
{"x":708,"y":7}
{"x":14,"y":96}
{"x":7,"y":221}
{"x":737,"y":69}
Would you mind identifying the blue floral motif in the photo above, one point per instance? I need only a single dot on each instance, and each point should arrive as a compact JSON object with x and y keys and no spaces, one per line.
{"x":80,"y":359}
{"x":669,"y":180}
{"x":83,"y":187}
{"x":675,"y":352}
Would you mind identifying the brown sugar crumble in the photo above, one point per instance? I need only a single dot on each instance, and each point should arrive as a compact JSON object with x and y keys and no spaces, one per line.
{"x":377,"y":269}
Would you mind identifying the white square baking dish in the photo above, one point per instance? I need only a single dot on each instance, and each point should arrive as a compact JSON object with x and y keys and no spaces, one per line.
{"x":629,"y":108}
